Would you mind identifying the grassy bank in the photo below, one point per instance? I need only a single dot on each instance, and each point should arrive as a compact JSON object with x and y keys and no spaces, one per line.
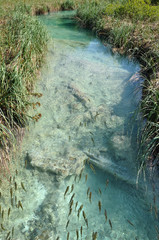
{"x":132,"y":28}
{"x":23,"y":44}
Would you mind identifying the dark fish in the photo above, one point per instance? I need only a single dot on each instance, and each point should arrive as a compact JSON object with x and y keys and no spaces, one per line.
{"x":57,"y":238}
{"x":23,"y":186}
{"x":130,"y":223}
{"x":0,"y":208}
{"x":84,"y":215}
{"x":91,"y":166}
{"x":110,"y":224}
{"x":7,"y":235}
{"x":10,"y":179}
{"x":2,"y":227}
{"x":76,"y":205}
{"x":86,"y":176}
{"x":94,"y":235}
{"x":12,"y":231}
{"x":69,"y":138}
{"x":2,"y":214}
{"x":70,"y":212}
{"x":85,"y":124}
{"x":105,"y":213}
{"x":77,"y":234}
{"x":107,"y":182}
{"x":99,"y":205}
{"x":93,"y":140}
{"x":72,"y":197}
{"x":75,"y":178}
{"x":79,"y":210}
{"x":157,"y":229}
{"x":67,"y":223}
{"x":15,"y":184}
{"x":90,"y":196}
{"x":100,"y":191}
{"x":11,"y":192}
{"x":20,"y":204}
{"x":8,"y":212}
{"x":88,"y":191}
{"x":72,"y":187}
{"x":86,"y":222}
{"x":91,"y":133}
{"x":12,"y":202}
{"x":81,"y":230}
{"x":156,"y":211}
{"x":25,"y":163}
{"x":66,"y":190}
{"x":71,"y":203}
{"x":16,"y":171}
{"x":68,"y":234}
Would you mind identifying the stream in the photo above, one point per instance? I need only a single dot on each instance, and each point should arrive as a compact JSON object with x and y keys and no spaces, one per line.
{"x":76,"y":171}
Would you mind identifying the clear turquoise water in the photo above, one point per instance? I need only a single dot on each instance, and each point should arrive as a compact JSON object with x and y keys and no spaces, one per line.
{"x":87,"y":103}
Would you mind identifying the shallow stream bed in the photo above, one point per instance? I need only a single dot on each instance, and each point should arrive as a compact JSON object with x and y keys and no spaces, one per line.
{"x":77,"y":169}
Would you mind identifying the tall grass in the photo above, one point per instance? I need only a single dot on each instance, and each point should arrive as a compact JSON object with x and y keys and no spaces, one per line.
{"x":23,"y":41}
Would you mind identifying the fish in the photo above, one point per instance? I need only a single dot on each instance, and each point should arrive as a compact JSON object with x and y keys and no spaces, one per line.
{"x":93,"y":140}
{"x":99,"y":205}
{"x":86,"y":176}
{"x":91,"y":133}
{"x":94,"y":235}
{"x":157,"y":229}
{"x":0,"y":208}
{"x":72,"y":187}
{"x":66,"y":191}
{"x":23,"y":186}
{"x":12,"y":231}
{"x":69,"y":138}
{"x":68,"y":234}
{"x":16,"y":171}
{"x":70,"y":212}
{"x":100,"y":191}
{"x":20,"y":204}
{"x":58,"y":238}
{"x":71,"y":203}
{"x":67,"y":223}
{"x":84,"y":215}
{"x":2,"y":214}
{"x":77,"y":234}
{"x":93,"y":169}
{"x":86,"y":222}
{"x":90,"y":196}
{"x":107,"y":182}
{"x":105,"y":213}
{"x":88,"y":191}
{"x":11,"y":192}
{"x":8,"y":212}
{"x":72,"y":197}
{"x":130,"y":223}
{"x":7,"y":235}
{"x":81,"y":230}
{"x":76,"y":205}
{"x":2,"y":227}
{"x":15,"y":184}
{"x":110,"y":223}
{"x":156,"y":212}
{"x":85,"y":124}
{"x":79,"y":210}
{"x":80,"y":124}
{"x":75,"y":178}
{"x":26,"y":163}
{"x":10,"y":179}
{"x":12,"y":202}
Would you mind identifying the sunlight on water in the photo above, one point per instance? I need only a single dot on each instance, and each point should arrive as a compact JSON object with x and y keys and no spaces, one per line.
{"x":80,"y":157}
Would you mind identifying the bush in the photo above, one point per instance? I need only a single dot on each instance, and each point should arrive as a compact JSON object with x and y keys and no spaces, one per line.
{"x":134,"y":9}
{"x":67,"y":5}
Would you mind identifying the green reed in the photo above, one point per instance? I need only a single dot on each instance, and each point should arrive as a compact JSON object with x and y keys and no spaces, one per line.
{"x":23,"y":41}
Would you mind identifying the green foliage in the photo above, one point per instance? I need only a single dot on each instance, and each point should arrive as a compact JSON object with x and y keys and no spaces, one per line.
{"x":67,"y":5}
{"x":23,"y":41}
{"x":91,"y":12}
{"x":134,"y":9}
